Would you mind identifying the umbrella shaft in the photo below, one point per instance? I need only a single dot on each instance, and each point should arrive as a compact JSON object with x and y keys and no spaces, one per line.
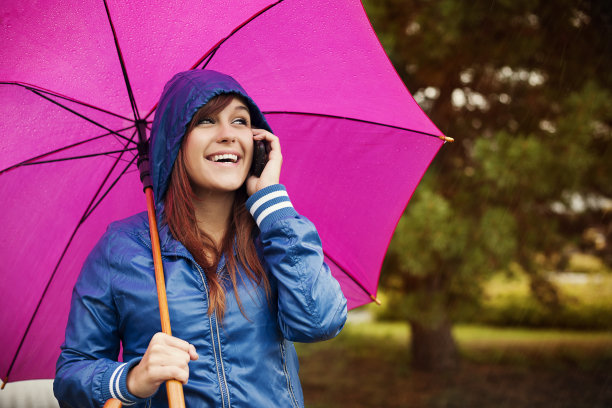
{"x":176,"y":398}
{"x":157,"y":263}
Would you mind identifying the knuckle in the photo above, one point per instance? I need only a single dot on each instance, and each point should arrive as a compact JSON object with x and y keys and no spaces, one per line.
{"x":185,"y":375}
{"x":181,"y":375}
{"x":149,"y":371}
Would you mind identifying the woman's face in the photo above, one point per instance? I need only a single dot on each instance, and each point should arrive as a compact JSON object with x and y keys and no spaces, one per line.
{"x":219,"y":150}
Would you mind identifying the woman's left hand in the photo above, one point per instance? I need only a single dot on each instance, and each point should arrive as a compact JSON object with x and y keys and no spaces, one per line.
{"x":271,"y":173}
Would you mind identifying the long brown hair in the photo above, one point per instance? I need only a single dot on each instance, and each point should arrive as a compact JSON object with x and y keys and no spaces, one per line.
{"x":180,"y":216}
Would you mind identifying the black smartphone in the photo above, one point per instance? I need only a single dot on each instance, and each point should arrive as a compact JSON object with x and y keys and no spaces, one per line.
{"x":260,"y":157}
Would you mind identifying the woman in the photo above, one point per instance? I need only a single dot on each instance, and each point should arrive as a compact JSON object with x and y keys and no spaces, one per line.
{"x":244,"y":272}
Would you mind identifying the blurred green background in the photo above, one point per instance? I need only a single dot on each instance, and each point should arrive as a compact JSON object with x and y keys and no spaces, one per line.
{"x":497,"y":286}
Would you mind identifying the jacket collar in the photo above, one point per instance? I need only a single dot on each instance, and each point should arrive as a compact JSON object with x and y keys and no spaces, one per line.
{"x":168,"y":244}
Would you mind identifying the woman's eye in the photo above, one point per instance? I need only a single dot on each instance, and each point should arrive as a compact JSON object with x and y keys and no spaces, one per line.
{"x":241,"y":121}
{"x":206,"y":121}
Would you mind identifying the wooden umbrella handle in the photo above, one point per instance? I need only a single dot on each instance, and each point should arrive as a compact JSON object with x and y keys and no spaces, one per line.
{"x":174,"y":388}
{"x":112,"y":403}
{"x":176,"y":399}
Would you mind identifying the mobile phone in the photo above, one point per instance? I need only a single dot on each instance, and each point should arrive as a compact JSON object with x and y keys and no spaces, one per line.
{"x":260,"y":157}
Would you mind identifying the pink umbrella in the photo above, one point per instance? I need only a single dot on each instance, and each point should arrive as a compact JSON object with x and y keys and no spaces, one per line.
{"x":355,"y":144}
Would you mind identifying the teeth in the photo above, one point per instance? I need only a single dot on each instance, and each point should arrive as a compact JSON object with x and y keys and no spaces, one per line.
{"x":219,"y":157}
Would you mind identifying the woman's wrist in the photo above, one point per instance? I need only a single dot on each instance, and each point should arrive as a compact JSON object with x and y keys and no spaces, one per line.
{"x":269,"y":204}
{"x":117,"y":383}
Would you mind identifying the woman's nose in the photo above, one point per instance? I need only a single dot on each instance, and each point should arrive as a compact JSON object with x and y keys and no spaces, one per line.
{"x":226,"y":134}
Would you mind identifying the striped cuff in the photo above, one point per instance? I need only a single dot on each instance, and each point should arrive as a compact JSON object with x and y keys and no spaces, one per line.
{"x":269,"y":205}
{"x":116,"y":384}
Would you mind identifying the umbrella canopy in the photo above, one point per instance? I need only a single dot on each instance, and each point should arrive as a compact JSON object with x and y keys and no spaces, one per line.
{"x":355,"y":144}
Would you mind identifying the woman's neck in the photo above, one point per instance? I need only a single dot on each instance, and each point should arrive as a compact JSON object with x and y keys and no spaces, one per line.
{"x":213,"y":211}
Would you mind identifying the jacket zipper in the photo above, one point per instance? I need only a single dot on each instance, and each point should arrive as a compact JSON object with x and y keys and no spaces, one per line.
{"x":229,"y":403}
{"x":289,"y":386}
{"x":222,"y":381}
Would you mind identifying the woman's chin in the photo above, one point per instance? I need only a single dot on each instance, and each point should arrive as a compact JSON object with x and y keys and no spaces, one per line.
{"x":221,"y":186}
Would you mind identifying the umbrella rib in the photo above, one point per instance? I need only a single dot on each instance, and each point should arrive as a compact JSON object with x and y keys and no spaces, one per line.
{"x":82,"y":116}
{"x":99,"y":201}
{"x":33,"y":88}
{"x":85,"y":156}
{"x":61,"y":258}
{"x":351,"y":119}
{"x":32,"y":160}
{"x":234,"y":31}
{"x":347,"y":273}
{"x":93,"y":204}
{"x":122,"y":62}
{"x":210,"y":57}
{"x":211,"y":52}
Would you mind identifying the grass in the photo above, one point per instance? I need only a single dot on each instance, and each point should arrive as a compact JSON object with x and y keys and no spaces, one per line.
{"x":550,"y":348}
{"x":368,"y":365}
{"x":517,"y":362}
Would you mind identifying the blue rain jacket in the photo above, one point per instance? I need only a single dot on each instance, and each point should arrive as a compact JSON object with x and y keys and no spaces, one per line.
{"x":245,"y":361}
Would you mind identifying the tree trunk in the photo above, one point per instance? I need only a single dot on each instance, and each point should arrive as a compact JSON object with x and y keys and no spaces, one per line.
{"x":433,"y":346}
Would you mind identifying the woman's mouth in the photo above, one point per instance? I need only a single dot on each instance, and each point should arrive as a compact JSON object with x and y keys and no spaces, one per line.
{"x":223,"y":158}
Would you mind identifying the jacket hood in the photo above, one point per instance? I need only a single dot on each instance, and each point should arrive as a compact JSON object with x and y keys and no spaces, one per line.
{"x":181,"y":98}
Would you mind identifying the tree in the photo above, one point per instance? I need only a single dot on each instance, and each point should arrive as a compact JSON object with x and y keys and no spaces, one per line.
{"x":524,"y":87}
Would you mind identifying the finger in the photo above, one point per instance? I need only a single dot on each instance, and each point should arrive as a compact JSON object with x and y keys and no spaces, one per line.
{"x":164,"y":355}
{"x":160,"y":374}
{"x":182,"y":375}
{"x":273,"y":140}
{"x":275,"y":143}
{"x":260,"y":134}
{"x":177,"y":343}
{"x":193,"y":354}
{"x":161,"y":342}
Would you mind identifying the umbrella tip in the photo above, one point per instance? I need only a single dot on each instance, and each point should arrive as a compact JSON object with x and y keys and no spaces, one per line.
{"x":4,"y":381}
{"x":446,"y":138}
{"x":375,"y":300}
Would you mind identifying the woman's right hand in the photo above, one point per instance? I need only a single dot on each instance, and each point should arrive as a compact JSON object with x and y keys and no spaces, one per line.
{"x":166,"y":358}
{"x":271,"y":172}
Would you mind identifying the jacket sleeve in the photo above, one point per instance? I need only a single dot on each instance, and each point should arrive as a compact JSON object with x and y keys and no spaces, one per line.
{"x":87,"y":372}
{"x":311,"y":306}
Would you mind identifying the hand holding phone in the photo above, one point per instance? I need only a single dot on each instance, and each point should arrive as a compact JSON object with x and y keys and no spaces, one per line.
{"x":267,"y":161}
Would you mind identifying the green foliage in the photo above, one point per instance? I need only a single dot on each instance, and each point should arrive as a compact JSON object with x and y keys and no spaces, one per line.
{"x":524,"y":87}
{"x":430,"y":223}
{"x":436,"y":268}
{"x":509,"y":164}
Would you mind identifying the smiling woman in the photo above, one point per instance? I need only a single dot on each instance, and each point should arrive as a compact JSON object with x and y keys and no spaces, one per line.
{"x":219,"y":146}
{"x":245,"y":273}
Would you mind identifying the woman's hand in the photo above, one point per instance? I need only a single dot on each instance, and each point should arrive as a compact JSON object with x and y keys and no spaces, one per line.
{"x":271,"y":173}
{"x":166,"y":358}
